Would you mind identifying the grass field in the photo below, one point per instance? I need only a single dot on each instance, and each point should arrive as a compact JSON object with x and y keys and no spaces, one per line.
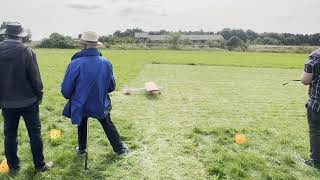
{"x":186,"y":132}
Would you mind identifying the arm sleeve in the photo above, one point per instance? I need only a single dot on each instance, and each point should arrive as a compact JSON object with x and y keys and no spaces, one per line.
{"x":69,"y":81}
{"x":311,"y":65}
{"x":112,"y":86}
{"x":33,"y":74}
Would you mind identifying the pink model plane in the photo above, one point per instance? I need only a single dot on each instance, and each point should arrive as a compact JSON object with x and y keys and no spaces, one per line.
{"x":149,"y":88}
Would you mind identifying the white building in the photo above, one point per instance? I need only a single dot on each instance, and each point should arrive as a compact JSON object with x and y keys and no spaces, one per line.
{"x":194,"y":38}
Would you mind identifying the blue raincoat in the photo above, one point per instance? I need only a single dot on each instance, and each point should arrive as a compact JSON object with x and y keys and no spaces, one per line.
{"x":87,"y":82}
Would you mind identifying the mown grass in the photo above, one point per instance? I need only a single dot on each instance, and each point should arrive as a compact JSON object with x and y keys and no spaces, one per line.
{"x":187,"y":132}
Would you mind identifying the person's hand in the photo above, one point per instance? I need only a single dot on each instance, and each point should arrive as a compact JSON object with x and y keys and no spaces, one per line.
{"x":40,"y":99}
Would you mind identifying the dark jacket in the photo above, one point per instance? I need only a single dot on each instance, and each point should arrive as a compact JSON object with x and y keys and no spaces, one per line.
{"x":20,"y":81}
{"x":87,"y":82}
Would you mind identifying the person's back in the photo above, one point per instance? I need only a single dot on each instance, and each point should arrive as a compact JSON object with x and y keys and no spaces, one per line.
{"x":15,"y":70}
{"x":88,"y":80}
{"x":20,"y":96}
{"x":95,"y":81}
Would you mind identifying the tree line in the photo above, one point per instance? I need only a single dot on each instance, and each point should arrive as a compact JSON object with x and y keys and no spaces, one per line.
{"x":268,"y":38}
{"x":233,"y":38}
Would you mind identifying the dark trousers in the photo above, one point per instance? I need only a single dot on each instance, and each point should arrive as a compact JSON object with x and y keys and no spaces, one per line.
{"x":109,"y":129}
{"x":314,"y":133}
{"x":31,"y":117}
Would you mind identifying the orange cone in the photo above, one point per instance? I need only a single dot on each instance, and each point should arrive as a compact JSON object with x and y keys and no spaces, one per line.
{"x":4,"y":168}
{"x":240,"y":139}
{"x":55,"y":134}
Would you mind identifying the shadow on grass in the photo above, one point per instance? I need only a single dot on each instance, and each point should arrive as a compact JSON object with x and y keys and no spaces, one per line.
{"x":152,"y":96}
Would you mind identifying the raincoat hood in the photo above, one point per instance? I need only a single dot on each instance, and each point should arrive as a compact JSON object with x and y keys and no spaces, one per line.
{"x":9,"y":50}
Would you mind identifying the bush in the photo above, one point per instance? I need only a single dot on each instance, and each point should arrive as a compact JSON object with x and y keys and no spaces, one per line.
{"x":57,"y":40}
{"x":215,"y":44}
{"x":173,"y":40}
{"x":234,"y":42}
{"x":244,"y":47}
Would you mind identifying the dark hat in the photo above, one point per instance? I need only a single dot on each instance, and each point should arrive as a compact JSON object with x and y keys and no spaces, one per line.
{"x":14,"y":29}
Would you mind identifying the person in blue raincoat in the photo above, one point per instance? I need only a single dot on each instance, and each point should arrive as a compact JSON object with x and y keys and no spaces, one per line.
{"x":88,"y":80}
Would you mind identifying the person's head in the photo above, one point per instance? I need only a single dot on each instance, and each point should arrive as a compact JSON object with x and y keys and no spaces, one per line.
{"x":89,"y":39}
{"x":14,"y":30}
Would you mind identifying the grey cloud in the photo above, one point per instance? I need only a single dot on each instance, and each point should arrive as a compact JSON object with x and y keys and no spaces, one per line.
{"x":127,"y":11}
{"x":135,"y":11}
{"x":138,"y":11}
{"x":84,"y":6}
{"x":137,"y":1}
{"x":164,"y":14}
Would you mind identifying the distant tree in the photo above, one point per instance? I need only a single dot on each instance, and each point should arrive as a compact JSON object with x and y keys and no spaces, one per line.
{"x":226,"y":33}
{"x":27,"y":39}
{"x":57,"y":40}
{"x":252,"y":35}
{"x":269,"y":41}
{"x":127,"y":33}
{"x":234,"y":42}
{"x":247,"y":36}
{"x":106,"y":40}
{"x":244,"y":46}
{"x":314,"y":39}
{"x":173,"y":40}
{"x":241,"y":34}
{"x":185,"y":42}
{"x":292,"y":40}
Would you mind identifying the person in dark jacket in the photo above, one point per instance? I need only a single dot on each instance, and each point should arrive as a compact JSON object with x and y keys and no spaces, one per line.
{"x":20,"y":95}
{"x":88,"y":80}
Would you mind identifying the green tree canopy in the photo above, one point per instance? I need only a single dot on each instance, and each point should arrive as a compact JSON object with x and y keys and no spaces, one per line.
{"x":57,"y":40}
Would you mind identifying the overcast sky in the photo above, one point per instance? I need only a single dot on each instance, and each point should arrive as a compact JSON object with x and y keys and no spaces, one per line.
{"x":72,"y":17}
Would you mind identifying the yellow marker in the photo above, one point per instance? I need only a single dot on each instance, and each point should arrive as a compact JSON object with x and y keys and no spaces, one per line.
{"x":55,"y":134}
{"x":4,"y":168}
{"x":240,"y":139}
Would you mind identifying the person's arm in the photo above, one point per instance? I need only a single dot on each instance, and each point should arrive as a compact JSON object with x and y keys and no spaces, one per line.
{"x":112,"y":86}
{"x":33,"y":74}
{"x":308,"y":73}
{"x":306,"y":78}
{"x":69,"y":81}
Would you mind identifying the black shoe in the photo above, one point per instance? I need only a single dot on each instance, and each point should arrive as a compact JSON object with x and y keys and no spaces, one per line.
{"x":81,"y":151}
{"x":14,"y":170}
{"x":123,"y":152}
{"x":312,"y":163}
{"x":45,"y":168}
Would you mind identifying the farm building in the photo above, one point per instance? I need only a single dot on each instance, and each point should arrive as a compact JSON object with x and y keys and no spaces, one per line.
{"x":194,"y":38}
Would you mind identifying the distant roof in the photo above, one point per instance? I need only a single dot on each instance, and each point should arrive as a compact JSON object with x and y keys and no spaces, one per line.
{"x":158,"y":37}
{"x":141,"y":35}
{"x":183,"y":37}
{"x":202,"y":37}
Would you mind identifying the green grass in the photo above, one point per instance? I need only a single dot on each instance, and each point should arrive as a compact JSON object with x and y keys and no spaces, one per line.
{"x":187,"y":132}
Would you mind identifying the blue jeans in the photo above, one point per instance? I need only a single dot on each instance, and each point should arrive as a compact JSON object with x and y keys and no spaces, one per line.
{"x":31,"y":117}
